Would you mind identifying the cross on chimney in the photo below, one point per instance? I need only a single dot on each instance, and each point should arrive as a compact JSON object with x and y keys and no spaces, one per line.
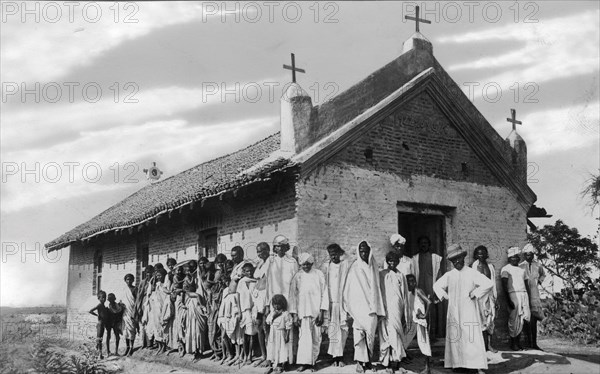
{"x":416,"y":18}
{"x":294,"y":69}
{"x":513,"y":119}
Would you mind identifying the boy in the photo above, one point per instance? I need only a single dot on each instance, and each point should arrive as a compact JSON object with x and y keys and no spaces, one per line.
{"x":418,"y":309}
{"x":248,"y":322}
{"x":102,"y":314}
{"x":115,"y":319}
{"x":487,"y":304}
{"x":516,"y":288}
{"x":395,"y":300}
{"x":229,"y":316}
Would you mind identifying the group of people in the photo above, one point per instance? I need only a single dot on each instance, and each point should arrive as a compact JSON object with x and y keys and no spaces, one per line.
{"x":272,"y":311}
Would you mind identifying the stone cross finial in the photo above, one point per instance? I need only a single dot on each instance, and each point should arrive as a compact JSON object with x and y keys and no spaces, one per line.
{"x":294,"y":69}
{"x":416,"y":18}
{"x":513,"y":119}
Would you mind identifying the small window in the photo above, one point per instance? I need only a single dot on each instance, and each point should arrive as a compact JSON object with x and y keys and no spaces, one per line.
{"x":369,"y":155}
{"x":98,"y":264}
{"x":207,"y":243}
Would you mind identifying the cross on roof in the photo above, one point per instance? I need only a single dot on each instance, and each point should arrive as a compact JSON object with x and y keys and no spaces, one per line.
{"x":513,"y":119}
{"x":416,"y":18}
{"x":293,"y":68}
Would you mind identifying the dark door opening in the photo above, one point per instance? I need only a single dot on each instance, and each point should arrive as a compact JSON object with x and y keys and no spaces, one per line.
{"x":412,"y":226}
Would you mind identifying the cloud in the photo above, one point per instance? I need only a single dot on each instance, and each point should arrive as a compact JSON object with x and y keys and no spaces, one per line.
{"x":114,"y":159}
{"x":558,"y":130}
{"x":553,"y":49}
{"x":62,"y":38}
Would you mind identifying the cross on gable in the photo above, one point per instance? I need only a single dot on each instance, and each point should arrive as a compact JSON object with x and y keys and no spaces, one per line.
{"x":513,"y":119}
{"x":293,"y":68}
{"x":416,"y":18}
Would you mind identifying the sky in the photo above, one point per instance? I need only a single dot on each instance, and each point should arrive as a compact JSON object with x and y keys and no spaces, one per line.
{"x":93,"y":93}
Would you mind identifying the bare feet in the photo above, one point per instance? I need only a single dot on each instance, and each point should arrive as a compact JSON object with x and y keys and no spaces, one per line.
{"x":389,"y":371}
{"x":360,"y":368}
{"x":341,"y":364}
{"x":492,"y":349}
{"x":258,"y":363}
{"x":225,"y":358}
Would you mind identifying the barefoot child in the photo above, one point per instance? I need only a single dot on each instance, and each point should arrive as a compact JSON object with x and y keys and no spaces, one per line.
{"x":230,"y":322}
{"x":101,"y":312}
{"x":248,"y":322}
{"x":419,"y":311}
{"x":278,"y":342}
{"x":115,"y":320}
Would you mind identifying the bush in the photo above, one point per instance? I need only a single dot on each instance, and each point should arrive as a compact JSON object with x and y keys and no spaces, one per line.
{"x":574,"y":315}
{"x":48,"y":359}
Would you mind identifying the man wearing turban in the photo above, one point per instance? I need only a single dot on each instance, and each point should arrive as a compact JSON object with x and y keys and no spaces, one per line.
{"x":309,"y":299}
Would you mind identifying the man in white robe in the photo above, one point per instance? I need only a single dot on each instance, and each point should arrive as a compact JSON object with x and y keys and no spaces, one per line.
{"x":363,"y":302}
{"x":462,"y":286}
{"x":281,"y":270}
{"x":516,"y":288}
{"x":335,"y":271}
{"x":309,"y":299}
{"x":394,"y":290}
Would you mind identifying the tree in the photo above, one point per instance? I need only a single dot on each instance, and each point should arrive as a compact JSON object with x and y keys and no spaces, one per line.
{"x":592,"y":191}
{"x":565,"y":254}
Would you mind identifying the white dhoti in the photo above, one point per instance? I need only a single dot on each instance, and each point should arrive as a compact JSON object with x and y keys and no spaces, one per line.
{"x":309,"y":342}
{"x":519,"y":314}
{"x":364,"y":340}
{"x":421,"y":328}
{"x":337,"y":331}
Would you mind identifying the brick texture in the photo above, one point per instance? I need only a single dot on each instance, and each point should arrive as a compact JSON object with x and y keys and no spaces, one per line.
{"x":257,"y":215}
{"x":417,"y":159}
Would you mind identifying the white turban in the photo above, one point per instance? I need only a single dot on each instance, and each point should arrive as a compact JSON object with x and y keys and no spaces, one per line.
{"x":397,"y":238}
{"x":280,"y":239}
{"x":528,"y":248}
{"x":513,"y":251}
{"x":306,"y":257}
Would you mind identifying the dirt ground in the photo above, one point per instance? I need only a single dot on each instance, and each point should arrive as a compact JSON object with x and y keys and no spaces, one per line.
{"x":559,"y":356}
{"x":573,"y":358}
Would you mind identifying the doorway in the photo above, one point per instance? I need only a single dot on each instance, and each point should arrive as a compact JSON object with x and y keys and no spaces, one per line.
{"x":431,"y":223}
